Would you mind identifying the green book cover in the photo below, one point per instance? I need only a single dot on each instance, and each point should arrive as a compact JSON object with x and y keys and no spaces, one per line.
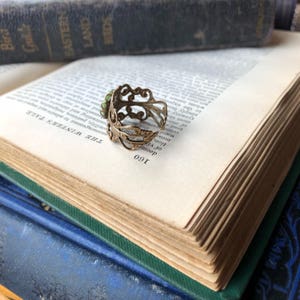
{"x":242,"y":275}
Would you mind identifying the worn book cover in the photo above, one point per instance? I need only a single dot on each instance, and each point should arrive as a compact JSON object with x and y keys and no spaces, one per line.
{"x":52,"y":30}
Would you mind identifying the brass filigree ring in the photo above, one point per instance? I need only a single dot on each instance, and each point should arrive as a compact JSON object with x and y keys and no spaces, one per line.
{"x":133,"y":116}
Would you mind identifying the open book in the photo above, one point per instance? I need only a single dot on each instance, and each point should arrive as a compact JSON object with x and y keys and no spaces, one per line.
{"x":196,"y":194}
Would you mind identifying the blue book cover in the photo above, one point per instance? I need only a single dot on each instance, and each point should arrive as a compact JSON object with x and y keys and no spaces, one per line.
{"x":52,"y":30}
{"x":44,"y":256}
{"x":278,"y":273}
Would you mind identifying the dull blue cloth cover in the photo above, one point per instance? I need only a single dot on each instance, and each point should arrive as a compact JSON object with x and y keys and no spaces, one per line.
{"x":278,"y":274}
{"x":67,"y":30}
{"x":44,"y":256}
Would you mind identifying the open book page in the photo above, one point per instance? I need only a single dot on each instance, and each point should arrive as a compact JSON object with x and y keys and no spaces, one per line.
{"x":15,"y":75}
{"x":216,"y":100}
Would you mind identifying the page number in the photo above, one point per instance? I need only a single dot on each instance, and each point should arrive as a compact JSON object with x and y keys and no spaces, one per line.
{"x":141,"y":159}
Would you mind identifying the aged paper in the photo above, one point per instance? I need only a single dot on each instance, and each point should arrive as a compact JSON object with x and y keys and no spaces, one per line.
{"x":216,"y":100}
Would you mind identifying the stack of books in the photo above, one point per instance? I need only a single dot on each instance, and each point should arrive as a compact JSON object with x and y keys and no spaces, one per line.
{"x":50,"y":242}
{"x":182,"y":210}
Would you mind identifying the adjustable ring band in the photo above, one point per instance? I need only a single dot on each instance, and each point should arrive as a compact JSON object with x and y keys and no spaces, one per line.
{"x":134,"y":117}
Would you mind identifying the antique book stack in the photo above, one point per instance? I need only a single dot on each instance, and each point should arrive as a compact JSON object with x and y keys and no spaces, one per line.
{"x":196,"y":195}
{"x":187,"y":205}
{"x":42,"y":268}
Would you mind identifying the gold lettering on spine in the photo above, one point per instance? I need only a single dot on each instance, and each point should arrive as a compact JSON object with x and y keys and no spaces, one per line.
{"x":107,"y":31}
{"x":87,"y":37}
{"x":260,"y":18}
{"x":47,"y":37}
{"x":6,"y":43}
{"x":65,"y":34}
{"x":28,"y":45}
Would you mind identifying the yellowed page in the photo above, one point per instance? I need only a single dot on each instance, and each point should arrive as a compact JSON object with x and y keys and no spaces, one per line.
{"x":216,"y":100}
{"x":15,"y":75}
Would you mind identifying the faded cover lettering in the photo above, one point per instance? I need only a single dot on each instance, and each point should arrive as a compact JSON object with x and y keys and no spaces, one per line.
{"x":66,"y":30}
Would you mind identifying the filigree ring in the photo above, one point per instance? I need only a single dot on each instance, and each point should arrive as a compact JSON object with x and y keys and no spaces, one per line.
{"x":134,"y":117}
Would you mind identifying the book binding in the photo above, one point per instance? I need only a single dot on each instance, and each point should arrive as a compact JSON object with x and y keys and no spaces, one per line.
{"x":67,"y":30}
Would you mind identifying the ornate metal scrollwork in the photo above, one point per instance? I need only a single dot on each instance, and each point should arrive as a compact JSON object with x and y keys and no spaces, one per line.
{"x":134,"y":116}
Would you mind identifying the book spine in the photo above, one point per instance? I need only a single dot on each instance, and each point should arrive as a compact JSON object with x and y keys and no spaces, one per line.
{"x":66,"y":30}
{"x":285,"y":10}
{"x":40,"y":251}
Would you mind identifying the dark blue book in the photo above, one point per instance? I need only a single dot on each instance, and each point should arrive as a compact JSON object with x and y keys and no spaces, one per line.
{"x":278,"y":273}
{"x":65,"y":30}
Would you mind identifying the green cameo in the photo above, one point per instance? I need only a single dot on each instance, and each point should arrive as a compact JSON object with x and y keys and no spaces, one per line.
{"x":105,"y":105}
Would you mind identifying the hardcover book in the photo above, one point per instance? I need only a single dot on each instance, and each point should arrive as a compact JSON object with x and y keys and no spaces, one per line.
{"x":51,"y":30}
{"x":97,"y":268}
{"x":194,"y":197}
{"x":40,"y":250}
